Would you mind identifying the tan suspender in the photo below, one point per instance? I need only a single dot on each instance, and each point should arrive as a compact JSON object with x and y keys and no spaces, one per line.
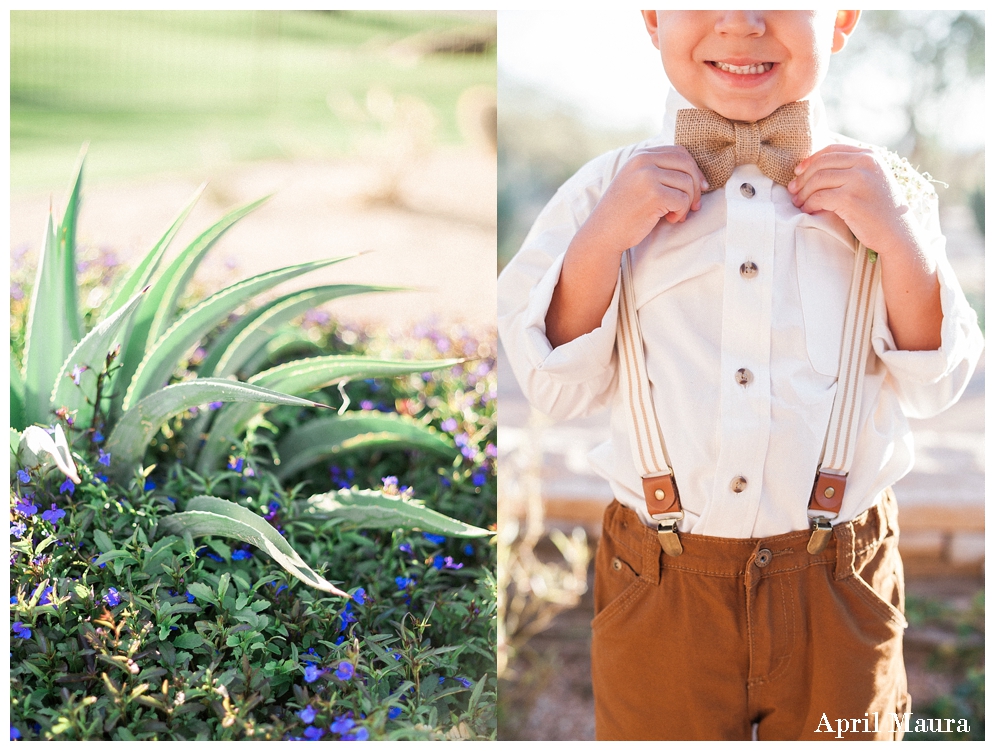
{"x":646,"y":437}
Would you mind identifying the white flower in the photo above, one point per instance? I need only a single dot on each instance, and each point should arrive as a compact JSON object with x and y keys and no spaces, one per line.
{"x":39,"y":448}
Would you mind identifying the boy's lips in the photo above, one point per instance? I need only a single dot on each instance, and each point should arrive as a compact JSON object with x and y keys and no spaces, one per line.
{"x":751,"y":69}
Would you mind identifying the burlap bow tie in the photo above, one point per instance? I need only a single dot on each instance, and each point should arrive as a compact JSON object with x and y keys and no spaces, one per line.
{"x":775,"y":144}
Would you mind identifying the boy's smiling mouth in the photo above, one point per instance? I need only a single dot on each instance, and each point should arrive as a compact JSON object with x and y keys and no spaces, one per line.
{"x":742,"y":70}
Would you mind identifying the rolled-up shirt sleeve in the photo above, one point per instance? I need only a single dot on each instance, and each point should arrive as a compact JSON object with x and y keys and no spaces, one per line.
{"x":575,"y":378}
{"x":927,"y":382}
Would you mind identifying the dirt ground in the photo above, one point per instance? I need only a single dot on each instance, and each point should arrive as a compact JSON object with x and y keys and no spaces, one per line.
{"x":425,"y":220}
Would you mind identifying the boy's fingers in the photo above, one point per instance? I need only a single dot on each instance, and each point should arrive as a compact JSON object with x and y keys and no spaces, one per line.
{"x":823,"y":179}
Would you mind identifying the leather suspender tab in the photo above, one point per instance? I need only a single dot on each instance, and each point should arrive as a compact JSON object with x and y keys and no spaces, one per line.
{"x":827,"y":493}
{"x":661,"y":495}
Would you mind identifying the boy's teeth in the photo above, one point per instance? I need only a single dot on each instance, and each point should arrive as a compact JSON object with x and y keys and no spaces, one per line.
{"x":744,"y":70}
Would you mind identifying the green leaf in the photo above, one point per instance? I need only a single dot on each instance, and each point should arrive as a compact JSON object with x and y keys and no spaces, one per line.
{"x":157,"y":311}
{"x":104,"y":543}
{"x":140,"y":276}
{"x":49,"y":335}
{"x":200,"y":590}
{"x":249,"y":334}
{"x":92,"y":352}
{"x":301,"y":377}
{"x":164,"y":356}
{"x":15,"y":446}
{"x":160,"y":554}
{"x":206,"y":515}
{"x":136,"y":428}
{"x":372,"y":509}
{"x":325,"y":437}
{"x":67,"y":247}
{"x":16,"y":398}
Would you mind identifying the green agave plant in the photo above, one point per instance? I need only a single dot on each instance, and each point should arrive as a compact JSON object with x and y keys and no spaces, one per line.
{"x":115,"y":380}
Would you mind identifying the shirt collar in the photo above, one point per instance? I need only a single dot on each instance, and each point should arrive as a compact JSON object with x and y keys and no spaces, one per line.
{"x":820,"y":130}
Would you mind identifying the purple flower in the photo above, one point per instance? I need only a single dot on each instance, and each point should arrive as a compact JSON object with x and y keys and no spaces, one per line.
{"x":342,"y":724}
{"x":491,"y":450}
{"x":393,"y":713}
{"x":215,"y":405}
{"x":464,"y":682}
{"x":98,"y":437}
{"x":45,"y":596}
{"x":13,"y":599}
{"x":440,"y":563}
{"x":462,"y":440}
{"x":23,"y":476}
{"x":26,"y":508}
{"x":437,"y":539}
{"x":17,"y":529}
{"x":347,"y":618}
{"x":236,"y":464}
{"x":468,"y":549}
{"x":307,"y":714}
{"x":104,"y":458}
{"x":103,"y":478}
{"x":405,"y":548}
{"x":479,"y":477}
{"x":345,"y":671}
{"x":366,"y":404}
{"x":149,"y":485}
{"x":94,"y":560}
{"x":403,"y":582}
{"x":240,"y":555}
{"x":362,"y":734}
{"x":449,"y":424}
{"x":53,"y":514}
{"x":359,"y":596}
{"x":21,"y":631}
{"x":312,"y":673}
{"x":313,"y":733}
{"x":78,"y":371}
{"x":445,"y":481}
{"x":389,"y":484}
{"x":469,"y":452}
{"x":340,"y":640}
{"x":67,"y":487}
{"x":112,"y":598}
{"x":15,"y":734}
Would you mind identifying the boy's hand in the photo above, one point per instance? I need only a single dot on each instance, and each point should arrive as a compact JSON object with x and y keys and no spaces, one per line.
{"x":856,"y":185}
{"x":859,"y":188}
{"x":658,"y":183}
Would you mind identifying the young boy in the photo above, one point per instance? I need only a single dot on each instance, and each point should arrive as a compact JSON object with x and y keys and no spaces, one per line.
{"x":762,"y":304}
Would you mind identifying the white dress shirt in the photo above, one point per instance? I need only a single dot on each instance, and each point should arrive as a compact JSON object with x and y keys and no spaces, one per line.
{"x":703,"y":319}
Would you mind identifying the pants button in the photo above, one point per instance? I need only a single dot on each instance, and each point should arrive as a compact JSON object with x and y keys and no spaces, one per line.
{"x":764,"y":557}
{"x":616,"y":564}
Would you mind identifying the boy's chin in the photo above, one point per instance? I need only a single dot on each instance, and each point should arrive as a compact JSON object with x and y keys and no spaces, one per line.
{"x":748,"y":112}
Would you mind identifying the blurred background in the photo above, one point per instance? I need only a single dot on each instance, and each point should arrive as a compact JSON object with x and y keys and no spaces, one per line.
{"x":572,"y":86}
{"x":372,"y":130}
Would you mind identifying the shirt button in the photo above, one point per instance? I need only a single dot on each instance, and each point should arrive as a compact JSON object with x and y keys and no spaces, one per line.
{"x":763,"y":558}
{"x":743,"y":377}
{"x":748,"y":270}
{"x":738,"y":484}
{"x":747,"y":190}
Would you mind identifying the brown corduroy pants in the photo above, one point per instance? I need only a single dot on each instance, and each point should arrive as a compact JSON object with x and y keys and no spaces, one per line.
{"x":736,"y":632}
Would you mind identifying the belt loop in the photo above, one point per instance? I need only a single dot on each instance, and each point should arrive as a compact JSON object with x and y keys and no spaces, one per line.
{"x":844,"y":550}
{"x":652,"y":555}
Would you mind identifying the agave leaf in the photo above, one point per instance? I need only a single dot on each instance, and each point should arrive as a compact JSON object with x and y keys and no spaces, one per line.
{"x":205,"y":515}
{"x":301,"y":377}
{"x":371,"y":509}
{"x":140,"y":276}
{"x":41,"y":449}
{"x":252,"y":332}
{"x":324,"y":437}
{"x":92,"y":353}
{"x":16,"y":398}
{"x":50,"y":333}
{"x":287,"y":344}
{"x":132,"y":433}
{"x":67,"y":247}
{"x":158,"y":309}
{"x":158,"y":365}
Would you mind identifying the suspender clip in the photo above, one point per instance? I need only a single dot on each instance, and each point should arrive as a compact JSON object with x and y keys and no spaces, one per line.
{"x":822,"y":530}
{"x":666,"y":531}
